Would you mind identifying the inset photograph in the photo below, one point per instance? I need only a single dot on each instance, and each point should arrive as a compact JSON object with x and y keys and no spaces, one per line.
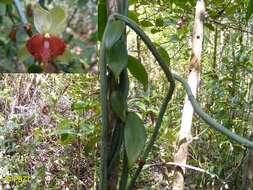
{"x":48,"y":36}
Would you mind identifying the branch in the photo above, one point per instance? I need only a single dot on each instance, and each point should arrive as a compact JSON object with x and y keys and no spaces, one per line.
{"x":229,"y":26}
{"x":21,"y":12}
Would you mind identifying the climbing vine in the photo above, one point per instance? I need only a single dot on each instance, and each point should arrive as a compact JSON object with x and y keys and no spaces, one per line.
{"x":112,"y":34}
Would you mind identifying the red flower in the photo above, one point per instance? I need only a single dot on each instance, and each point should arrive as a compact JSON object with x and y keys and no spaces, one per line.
{"x":45,"y":49}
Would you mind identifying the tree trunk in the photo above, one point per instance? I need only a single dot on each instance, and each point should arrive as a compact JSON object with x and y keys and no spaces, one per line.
{"x":193,"y":80}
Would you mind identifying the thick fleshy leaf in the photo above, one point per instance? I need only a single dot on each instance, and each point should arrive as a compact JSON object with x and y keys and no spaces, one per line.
{"x":58,"y":19}
{"x":42,"y":20}
{"x":118,"y":104}
{"x":134,"y":136}
{"x":138,"y":71}
{"x":45,"y":49}
{"x":117,"y":58}
{"x":113,"y":32}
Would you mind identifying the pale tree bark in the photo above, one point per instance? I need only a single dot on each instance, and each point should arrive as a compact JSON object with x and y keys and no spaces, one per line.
{"x":193,"y":80}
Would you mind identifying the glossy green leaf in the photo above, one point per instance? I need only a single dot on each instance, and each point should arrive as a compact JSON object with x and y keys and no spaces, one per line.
{"x":138,"y":71}
{"x":164,"y":54}
{"x":113,"y":32}
{"x":78,"y":105}
{"x":117,"y":58}
{"x":134,"y":137}
{"x":102,"y":18}
{"x":118,"y":104}
{"x":58,"y":20}
{"x":42,"y":19}
{"x":249,"y":10}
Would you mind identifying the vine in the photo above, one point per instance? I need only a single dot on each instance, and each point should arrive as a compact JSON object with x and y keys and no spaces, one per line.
{"x":108,"y":41}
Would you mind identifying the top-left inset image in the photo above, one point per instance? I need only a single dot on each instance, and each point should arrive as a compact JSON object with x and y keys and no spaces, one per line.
{"x":48,"y":36}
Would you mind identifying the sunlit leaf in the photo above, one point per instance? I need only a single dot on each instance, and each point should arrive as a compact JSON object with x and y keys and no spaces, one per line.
{"x":78,"y":105}
{"x":133,"y":15}
{"x":159,"y":22}
{"x":134,"y":136}
{"x":146,"y":23}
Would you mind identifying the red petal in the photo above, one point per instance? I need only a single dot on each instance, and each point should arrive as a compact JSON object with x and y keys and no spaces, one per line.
{"x":34,"y":46}
{"x":57,"y":46}
{"x":45,"y":49}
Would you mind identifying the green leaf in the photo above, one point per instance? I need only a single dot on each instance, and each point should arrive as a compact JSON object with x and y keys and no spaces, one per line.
{"x":118,"y":104}
{"x":6,"y":1}
{"x":117,"y":58}
{"x":42,"y":19}
{"x":134,"y":136}
{"x":155,"y":30}
{"x":159,"y":22}
{"x":138,"y":71}
{"x":164,"y":54}
{"x":78,"y":105}
{"x":133,"y":15}
{"x":86,"y":128}
{"x":146,"y":23}
{"x":58,"y":20}
{"x":249,"y":10}
{"x":209,"y":26}
{"x":65,"y":57}
{"x":113,"y":32}
{"x":22,"y":54}
{"x":102,"y":18}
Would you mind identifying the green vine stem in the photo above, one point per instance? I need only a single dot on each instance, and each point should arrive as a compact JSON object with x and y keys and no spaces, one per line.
{"x":167,"y":98}
{"x":104,"y":109}
{"x":210,"y":121}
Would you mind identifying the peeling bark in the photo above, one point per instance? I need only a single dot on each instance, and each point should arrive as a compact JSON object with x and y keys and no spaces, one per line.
{"x":193,"y":80}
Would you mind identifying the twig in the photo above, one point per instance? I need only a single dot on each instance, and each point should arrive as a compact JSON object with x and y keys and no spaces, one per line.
{"x":188,"y":167}
{"x":21,"y":12}
{"x":229,"y":26}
